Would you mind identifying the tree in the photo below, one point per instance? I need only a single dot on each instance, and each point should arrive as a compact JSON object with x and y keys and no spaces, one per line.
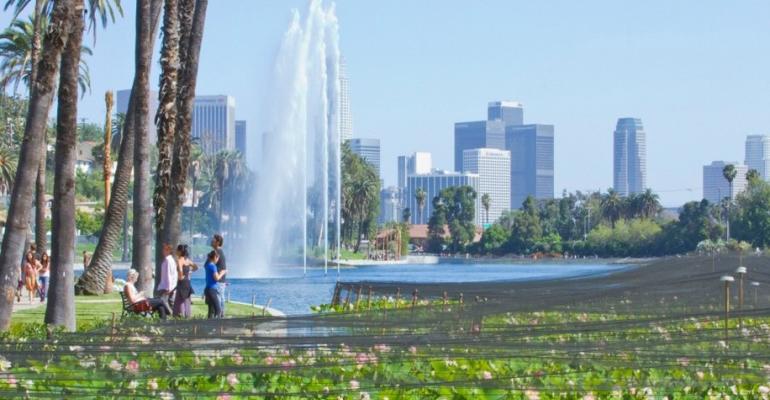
{"x":436,"y":226}
{"x":729,"y":172}
{"x":486,"y":202}
{"x":8,"y":163}
{"x":460,"y":205}
{"x":166,"y":120}
{"x":406,"y":215}
{"x":526,"y":229}
{"x":649,"y":204}
{"x":41,"y":98}
{"x":612,"y":207}
{"x":134,"y":133}
{"x":60,"y":309}
{"x":420,"y":197}
{"x":751,"y":218}
{"x":753,"y":176}
{"x":494,"y":239}
{"x":107,"y":148}
{"x":192,"y":15}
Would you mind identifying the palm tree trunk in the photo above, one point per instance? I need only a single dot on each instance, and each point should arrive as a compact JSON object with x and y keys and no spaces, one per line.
{"x":124,"y":253}
{"x":60,"y":309}
{"x":192,"y":15}
{"x":166,"y":120}
{"x":41,"y":239}
{"x":93,"y":279}
{"x":41,"y":97}
{"x":107,"y":173}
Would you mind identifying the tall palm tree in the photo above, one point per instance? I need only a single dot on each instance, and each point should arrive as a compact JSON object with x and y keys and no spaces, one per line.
{"x":753,"y":176}
{"x":192,"y":15}
{"x":166,"y":121}
{"x":107,"y":167}
{"x":649,"y":204}
{"x":612,"y":207}
{"x":486,"y":202}
{"x":60,"y":309}
{"x":729,"y":172}
{"x":134,"y":133}
{"x":41,"y":98}
{"x":420,"y":196}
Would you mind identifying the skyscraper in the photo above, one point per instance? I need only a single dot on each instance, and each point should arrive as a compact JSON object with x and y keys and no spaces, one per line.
{"x":630,"y":157}
{"x":240,"y":137}
{"x":532,"y":162}
{"x":419,"y":163}
{"x":390,"y":205}
{"x":369,"y":150}
{"x":121,"y":107}
{"x":716,"y":187}
{"x":493,"y":166}
{"x":433,"y":184}
{"x":346,"y":118}
{"x":758,"y":154}
{"x":213,"y":123}
{"x":487,"y":134}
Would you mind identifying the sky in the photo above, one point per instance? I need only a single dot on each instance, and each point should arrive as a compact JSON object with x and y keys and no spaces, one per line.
{"x":694,"y":71}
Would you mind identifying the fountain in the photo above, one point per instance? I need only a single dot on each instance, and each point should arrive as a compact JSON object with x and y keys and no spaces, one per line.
{"x":298,"y":180}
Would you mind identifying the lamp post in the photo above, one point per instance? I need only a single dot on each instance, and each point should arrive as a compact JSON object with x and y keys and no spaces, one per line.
{"x":741,"y":271}
{"x":727,"y":279}
{"x":755,"y":285}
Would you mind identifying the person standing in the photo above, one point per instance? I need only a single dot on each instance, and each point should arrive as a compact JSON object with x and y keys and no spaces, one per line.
{"x":44,"y":274}
{"x":31,"y":267}
{"x":168,"y":275}
{"x":184,"y":290}
{"x":86,"y":260}
{"x":216,"y":243}
{"x":211,"y":292}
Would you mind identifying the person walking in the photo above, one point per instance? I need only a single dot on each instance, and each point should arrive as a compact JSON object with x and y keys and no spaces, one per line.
{"x":31,"y":267}
{"x":184,"y":290}
{"x":44,"y":274}
{"x":216,"y":243}
{"x":168,"y":275}
{"x":211,"y":292}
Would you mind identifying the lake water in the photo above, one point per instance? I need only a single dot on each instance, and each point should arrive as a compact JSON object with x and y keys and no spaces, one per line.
{"x":293,"y":294}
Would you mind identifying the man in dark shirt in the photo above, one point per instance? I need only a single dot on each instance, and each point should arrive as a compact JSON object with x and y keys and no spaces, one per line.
{"x":216,"y":243}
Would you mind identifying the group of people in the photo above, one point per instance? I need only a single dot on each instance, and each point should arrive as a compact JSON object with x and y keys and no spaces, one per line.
{"x":174,"y":287}
{"x":34,"y":275}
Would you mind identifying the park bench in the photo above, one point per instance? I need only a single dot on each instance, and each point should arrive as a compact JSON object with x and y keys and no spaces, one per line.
{"x":142,"y":309}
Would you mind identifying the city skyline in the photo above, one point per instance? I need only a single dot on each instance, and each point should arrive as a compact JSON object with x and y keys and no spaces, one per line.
{"x":670,"y":86}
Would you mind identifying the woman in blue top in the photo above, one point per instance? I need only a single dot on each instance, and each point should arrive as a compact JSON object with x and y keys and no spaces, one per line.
{"x":212,"y":288}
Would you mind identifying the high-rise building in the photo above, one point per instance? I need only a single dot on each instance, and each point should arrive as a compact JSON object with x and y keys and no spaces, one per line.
{"x":532,"y":162}
{"x":433,"y":184}
{"x":213,"y":124}
{"x":121,"y":107}
{"x":240,"y":137}
{"x":390,"y":205}
{"x":346,"y":117}
{"x":487,"y":134}
{"x":510,"y":112}
{"x":369,"y":150}
{"x":630,"y":157}
{"x":419,"y":163}
{"x":758,"y":154}
{"x":493,"y":166}
{"x":716,"y":187}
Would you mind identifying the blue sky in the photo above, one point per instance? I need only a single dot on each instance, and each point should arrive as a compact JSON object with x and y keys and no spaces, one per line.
{"x":696,"y":72}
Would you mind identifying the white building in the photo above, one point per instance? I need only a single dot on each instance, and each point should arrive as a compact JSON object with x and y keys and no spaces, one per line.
{"x":758,"y":154}
{"x":716,"y":187}
{"x":419,"y":163}
{"x":433,"y":184}
{"x":390,"y":205}
{"x":493,"y":166}
{"x":630,"y":157}
{"x":213,"y":124}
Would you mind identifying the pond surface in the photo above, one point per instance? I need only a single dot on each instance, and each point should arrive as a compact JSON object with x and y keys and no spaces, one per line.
{"x":293,"y":294}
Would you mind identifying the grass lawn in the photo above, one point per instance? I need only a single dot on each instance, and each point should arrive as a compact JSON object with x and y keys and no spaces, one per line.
{"x":92,"y":310}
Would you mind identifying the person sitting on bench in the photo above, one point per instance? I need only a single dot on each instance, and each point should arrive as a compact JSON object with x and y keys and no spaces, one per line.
{"x":139,"y":301}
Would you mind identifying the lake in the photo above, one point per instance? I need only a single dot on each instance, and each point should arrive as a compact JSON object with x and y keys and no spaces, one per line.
{"x":293,"y":294}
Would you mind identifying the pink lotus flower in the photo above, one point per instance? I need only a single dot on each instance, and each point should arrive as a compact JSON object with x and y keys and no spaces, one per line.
{"x":232,"y":379}
{"x":589,"y":396}
{"x":132,"y":367}
{"x":115,"y":365}
{"x":223,"y":396}
{"x":532,"y":394}
{"x":413,"y":349}
{"x":11,"y":380}
{"x":152,"y":384}
{"x":361,"y":358}
{"x":486,"y":375}
{"x":237,"y":359}
{"x":364,"y":396}
{"x":354,"y":385}
{"x":269,"y":360}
